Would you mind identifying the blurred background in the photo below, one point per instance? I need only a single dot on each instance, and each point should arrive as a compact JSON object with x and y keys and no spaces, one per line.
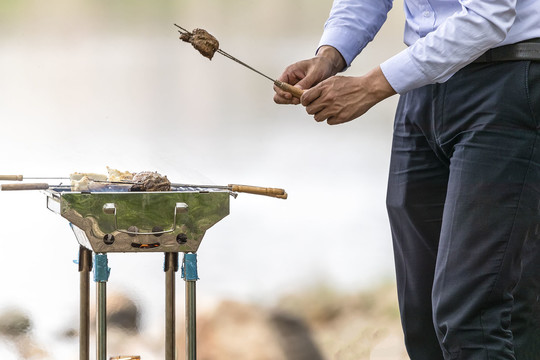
{"x":89,"y":84}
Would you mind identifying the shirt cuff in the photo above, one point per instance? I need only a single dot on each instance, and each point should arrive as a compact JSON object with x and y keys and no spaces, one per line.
{"x":402,"y":73}
{"x":344,"y":41}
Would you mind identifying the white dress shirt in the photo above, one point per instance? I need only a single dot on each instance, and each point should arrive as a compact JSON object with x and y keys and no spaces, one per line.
{"x":442,"y":35}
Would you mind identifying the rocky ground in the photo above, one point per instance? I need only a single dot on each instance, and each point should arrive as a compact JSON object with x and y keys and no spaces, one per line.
{"x":357,"y":326}
{"x":317,"y":324}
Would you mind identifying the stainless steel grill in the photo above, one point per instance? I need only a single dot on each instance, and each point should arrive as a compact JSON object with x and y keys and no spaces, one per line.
{"x":172,"y":221}
{"x":122,"y":221}
{"x":115,"y":219}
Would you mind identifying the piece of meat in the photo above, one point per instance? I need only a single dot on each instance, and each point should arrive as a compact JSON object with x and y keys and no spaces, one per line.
{"x":201,"y":40}
{"x":150,"y":181}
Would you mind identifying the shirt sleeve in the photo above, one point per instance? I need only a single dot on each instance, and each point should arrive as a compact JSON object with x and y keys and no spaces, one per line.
{"x":352,"y":24}
{"x":461,"y":38}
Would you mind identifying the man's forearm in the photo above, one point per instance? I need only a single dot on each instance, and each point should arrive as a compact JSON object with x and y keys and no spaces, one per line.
{"x":379,"y":85}
{"x":334,"y":56}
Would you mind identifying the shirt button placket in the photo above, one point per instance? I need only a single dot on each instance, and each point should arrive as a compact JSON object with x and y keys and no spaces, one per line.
{"x":427,"y":21}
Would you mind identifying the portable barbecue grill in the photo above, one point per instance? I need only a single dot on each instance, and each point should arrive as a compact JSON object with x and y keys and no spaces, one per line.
{"x":170,"y":222}
{"x":111,"y":218}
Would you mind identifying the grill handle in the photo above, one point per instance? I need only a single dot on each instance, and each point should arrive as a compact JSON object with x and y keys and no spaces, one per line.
{"x":24,"y":186}
{"x":295,"y":91}
{"x":110,"y":209}
{"x":11,"y":177}
{"x":273,"y":192}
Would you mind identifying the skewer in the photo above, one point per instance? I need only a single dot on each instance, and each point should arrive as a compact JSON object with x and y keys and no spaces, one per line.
{"x":31,"y":186}
{"x":257,"y":190}
{"x":249,"y":189}
{"x":21,"y":178}
{"x":296,"y":92}
{"x":234,"y":188}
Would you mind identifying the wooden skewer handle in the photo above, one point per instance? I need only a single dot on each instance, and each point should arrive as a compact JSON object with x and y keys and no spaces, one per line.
{"x":24,"y":186}
{"x":11,"y":177}
{"x":273,"y":192}
{"x":296,"y":92}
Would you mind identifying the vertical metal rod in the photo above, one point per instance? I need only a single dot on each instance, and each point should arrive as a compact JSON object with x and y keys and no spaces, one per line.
{"x":85,"y":266}
{"x":101,"y":275}
{"x":101,"y":321}
{"x":170,"y":267}
{"x":189,"y":273}
{"x":191,"y":321}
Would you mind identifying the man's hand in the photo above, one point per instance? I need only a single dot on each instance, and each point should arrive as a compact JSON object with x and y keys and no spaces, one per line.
{"x":340,"y":99}
{"x":307,"y":73}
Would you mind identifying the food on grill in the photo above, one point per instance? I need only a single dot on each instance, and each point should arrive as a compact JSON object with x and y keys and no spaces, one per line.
{"x":80,"y":184}
{"x":78,"y":176}
{"x":117,"y":175}
{"x":142,"y":181}
{"x":150,"y":181}
{"x":98,"y":182}
{"x":201,"y":40}
{"x":82,"y":181}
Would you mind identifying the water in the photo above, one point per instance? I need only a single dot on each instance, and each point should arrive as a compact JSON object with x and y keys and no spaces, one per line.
{"x":76,"y":96}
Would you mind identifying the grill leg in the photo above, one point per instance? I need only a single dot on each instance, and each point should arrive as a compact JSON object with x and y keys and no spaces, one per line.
{"x":85,"y":266}
{"x":170,"y":267}
{"x":191,"y":322}
{"x":189,"y":273}
{"x":101,"y":275}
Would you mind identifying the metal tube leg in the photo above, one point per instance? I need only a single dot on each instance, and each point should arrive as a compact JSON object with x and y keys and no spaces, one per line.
{"x":101,"y":321}
{"x":189,"y":273}
{"x":170,"y":267}
{"x":191,"y":321}
{"x":85,"y":266}
{"x":101,"y":275}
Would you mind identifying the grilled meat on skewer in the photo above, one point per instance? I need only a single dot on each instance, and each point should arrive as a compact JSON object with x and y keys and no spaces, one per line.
{"x":201,"y":40}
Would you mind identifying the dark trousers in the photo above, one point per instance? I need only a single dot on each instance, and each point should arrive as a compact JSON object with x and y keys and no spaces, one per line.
{"x":464,"y":207}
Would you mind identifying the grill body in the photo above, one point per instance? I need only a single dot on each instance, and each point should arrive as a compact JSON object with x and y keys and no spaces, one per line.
{"x":172,"y":221}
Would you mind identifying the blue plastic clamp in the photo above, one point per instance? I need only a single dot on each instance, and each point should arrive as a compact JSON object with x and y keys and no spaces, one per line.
{"x":101,"y":268}
{"x":189,"y":267}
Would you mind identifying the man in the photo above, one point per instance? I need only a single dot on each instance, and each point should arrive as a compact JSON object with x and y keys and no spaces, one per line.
{"x":464,"y":184}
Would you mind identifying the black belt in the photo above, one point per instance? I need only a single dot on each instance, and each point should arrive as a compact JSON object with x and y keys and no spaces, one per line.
{"x":523,"y":50}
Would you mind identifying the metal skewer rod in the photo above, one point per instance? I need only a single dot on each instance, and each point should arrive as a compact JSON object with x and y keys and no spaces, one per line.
{"x":257,"y":190}
{"x":227,"y":55}
{"x":181,"y":28}
{"x":296,"y":92}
